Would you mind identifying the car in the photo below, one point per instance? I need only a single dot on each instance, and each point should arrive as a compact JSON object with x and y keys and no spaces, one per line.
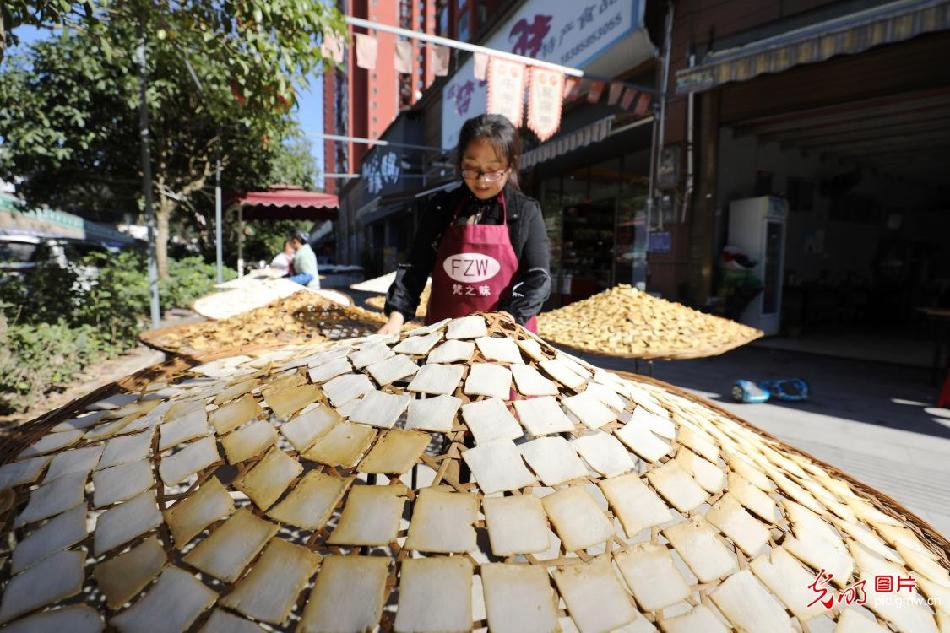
{"x":19,"y":254}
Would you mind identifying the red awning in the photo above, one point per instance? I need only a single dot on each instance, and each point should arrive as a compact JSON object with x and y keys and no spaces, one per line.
{"x":289,"y":203}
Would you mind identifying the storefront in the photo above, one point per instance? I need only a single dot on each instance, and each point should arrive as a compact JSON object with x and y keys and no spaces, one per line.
{"x":843,"y":122}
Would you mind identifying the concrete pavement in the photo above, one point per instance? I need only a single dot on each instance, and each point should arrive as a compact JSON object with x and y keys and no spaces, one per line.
{"x":873,"y":420}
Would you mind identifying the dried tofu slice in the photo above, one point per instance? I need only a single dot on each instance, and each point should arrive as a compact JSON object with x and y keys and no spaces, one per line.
{"x":634,"y":503}
{"x":187,"y":426}
{"x":516,"y":525}
{"x":80,"y":422}
{"x":343,"y":445}
{"x":498,"y":466}
{"x":817,"y":543}
{"x":348,"y":595}
{"x":189,"y":460}
{"x":595,"y":597}
{"x":442,"y":522}
{"x":249,"y":442}
{"x":170,"y":606}
{"x":603,"y":452}
{"x":452,"y":351}
{"x":122,"y":523}
{"x":788,"y":580}
{"x":50,"y":499}
{"x":433,"y":414}
{"x":643,"y":442}
{"x":232,"y":545}
{"x":698,"y":442}
{"x":435,"y":594}
{"x":76,"y":461}
{"x":699,"y":619}
{"x":51,"y":442}
{"x":347,"y":387}
{"x":310,"y":425}
{"x":189,"y":516}
{"x":752,"y":497}
{"x":707,"y":475}
{"x":677,"y":486}
{"x":490,"y":420}
{"x":126,"y":449}
{"x":518,"y":598}
{"x":122,"y":577}
{"x":234,"y":391}
{"x":399,"y":367}
{"x":560,"y":372}
{"x":418,"y":345}
{"x":22,"y":472}
{"x":395,"y":453}
{"x":606,"y":395}
{"x":286,"y":402}
{"x":122,"y":482}
{"x":330,"y":369}
{"x":749,"y":605}
{"x":591,"y":412}
{"x":369,"y":354}
{"x":704,"y":553}
{"x":371,"y":516}
{"x":224,"y":622}
{"x":531,"y":383}
{"x":75,"y":619}
{"x":532,"y":348}
{"x":486,"y":379}
{"x":235,"y":413}
{"x":660,"y":425}
{"x":750,"y":534}
{"x":553,"y":460}
{"x":104,"y":431}
{"x":269,"y":591}
{"x":652,"y":576}
{"x":56,"y":534}
{"x":311,"y":502}
{"x":59,"y":576}
{"x":577,"y":519}
{"x":264,"y":483}
{"x":543,"y":416}
{"x":851,"y":621}
{"x":437,"y":379}
{"x":905,"y":615}
{"x":467,"y":327}
{"x":380,"y":409}
{"x":503,"y":350}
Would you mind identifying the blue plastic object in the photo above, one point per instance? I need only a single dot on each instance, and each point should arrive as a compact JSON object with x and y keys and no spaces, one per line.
{"x":789,"y":390}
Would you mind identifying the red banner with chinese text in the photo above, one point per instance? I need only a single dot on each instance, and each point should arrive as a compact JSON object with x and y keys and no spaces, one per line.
{"x":544,"y":102}
{"x":506,"y":81}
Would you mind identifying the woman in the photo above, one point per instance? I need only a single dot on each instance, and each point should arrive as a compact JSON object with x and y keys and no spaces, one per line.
{"x":484,"y":245}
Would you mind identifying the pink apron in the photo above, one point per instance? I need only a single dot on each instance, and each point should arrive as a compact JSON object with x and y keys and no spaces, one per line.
{"x":474,"y":268}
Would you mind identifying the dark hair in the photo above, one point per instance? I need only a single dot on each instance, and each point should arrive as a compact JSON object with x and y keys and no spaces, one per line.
{"x":497,"y":130}
{"x":298,"y":235}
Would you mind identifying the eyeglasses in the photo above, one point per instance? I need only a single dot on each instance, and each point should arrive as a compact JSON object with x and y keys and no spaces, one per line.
{"x":489,"y":176}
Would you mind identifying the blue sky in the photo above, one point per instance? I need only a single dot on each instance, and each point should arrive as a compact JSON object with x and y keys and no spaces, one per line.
{"x":309,"y":102}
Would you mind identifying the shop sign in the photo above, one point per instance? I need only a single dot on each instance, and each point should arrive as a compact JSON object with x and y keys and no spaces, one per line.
{"x":380,"y":170}
{"x":566,"y":33}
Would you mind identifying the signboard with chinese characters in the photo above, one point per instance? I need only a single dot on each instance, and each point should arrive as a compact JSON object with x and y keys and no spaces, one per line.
{"x":380,"y":170}
{"x":567,"y":33}
{"x":506,"y":89}
{"x":544,"y":102}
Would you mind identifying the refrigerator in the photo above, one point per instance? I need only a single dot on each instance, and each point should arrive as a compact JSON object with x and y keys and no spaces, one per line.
{"x":757,"y":227}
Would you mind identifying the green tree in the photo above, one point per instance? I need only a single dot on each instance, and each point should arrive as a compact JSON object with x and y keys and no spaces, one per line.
{"x":221,"y":80}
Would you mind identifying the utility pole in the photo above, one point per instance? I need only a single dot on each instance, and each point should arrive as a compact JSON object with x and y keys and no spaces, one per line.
{"x":219,"y":265}
{"x":154,"y":304}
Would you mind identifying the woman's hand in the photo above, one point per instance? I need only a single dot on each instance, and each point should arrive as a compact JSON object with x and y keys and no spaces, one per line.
{"x":393,"y":325}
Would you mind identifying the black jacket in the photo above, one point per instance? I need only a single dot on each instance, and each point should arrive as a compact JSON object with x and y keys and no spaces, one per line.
{"x":531,"y":285}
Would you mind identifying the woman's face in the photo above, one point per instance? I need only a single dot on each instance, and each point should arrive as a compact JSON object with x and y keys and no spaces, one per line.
{"x":480,"y":164}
